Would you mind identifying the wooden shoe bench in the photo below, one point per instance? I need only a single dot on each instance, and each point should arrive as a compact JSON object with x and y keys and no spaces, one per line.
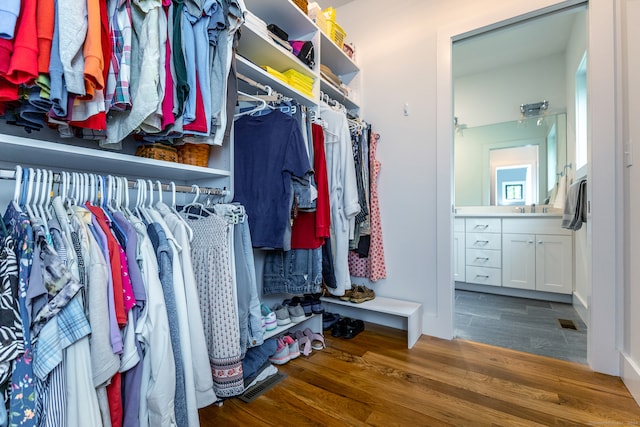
{"x":401,"y":314}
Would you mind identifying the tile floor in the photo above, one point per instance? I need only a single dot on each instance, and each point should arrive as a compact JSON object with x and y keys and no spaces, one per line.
{"x":520,"y":324}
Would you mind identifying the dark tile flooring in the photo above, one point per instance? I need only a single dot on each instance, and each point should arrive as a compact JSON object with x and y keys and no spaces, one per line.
{"x":520,"y":324}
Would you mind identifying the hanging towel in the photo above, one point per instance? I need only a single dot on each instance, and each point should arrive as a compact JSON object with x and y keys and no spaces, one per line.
{"x":561,"y":193}
{"x":575,"y":212}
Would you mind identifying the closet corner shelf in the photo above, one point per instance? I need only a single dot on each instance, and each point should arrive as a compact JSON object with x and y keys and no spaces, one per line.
{"x":256,"y":73}
{"x":32,"y":152}
{"x":286,"y":15}
{"x":337,"y":95}
{"x":335,"y":58}
{"x":304,"y":324}
{"x":254,"y":46}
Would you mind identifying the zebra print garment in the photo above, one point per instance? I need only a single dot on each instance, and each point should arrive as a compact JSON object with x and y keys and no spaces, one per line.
{"x":11,"y":338}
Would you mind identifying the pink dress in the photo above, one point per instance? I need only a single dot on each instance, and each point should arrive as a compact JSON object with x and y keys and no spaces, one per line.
{"x":372,"y":267}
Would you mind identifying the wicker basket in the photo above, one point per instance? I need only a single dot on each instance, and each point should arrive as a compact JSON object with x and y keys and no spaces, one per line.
{"x":302,"y":4}
{"x":194,"y":154}
{"x":158,"y":151}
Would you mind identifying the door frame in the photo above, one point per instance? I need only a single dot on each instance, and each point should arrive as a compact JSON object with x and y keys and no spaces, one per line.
{"x":604,"y":221}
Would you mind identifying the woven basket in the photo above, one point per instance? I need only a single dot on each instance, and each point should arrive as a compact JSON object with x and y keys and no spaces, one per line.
{"x":194,"y":154}
{"x":158,"y":151}
{"x":302,"y":4}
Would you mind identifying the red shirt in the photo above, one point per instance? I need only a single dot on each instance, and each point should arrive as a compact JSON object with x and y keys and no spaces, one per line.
{"x":24,"y":61}
{"x":311,"y":228}
{"x":114,"y":261}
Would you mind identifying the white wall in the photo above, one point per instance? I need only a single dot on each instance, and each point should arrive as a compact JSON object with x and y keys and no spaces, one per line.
{"x":505,"y":88}
{"x":399,"y":52}
{"x":630,"y":14}
{"x":575,"y":51}
{"x":398,"y":63}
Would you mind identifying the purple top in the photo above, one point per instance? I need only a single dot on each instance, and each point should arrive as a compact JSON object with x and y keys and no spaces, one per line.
{"x":132,"y":254}
{"x":114,"y":330}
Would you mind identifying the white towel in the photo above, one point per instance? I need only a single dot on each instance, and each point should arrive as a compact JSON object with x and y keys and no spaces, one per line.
{"x":561,"y":194}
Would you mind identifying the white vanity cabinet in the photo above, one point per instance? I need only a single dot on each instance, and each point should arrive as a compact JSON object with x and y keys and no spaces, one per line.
{"x":459,"y":247}
{"x":537,"y":255}
{"x":483,"y":251}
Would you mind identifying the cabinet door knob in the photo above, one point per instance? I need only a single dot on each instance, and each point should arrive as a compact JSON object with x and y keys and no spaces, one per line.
{"x":539,"y":242}
{"x":530,"y":241}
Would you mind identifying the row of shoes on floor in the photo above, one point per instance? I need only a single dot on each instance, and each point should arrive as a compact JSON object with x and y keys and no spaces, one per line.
{"x":292,"y":344}
{"x":342,"y":327}
{"x":293,"y":310}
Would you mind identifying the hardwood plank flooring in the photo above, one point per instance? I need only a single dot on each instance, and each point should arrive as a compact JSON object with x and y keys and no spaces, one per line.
{"x":374,"y":379}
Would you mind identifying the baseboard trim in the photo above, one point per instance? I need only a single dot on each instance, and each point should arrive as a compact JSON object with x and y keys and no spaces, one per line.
{"x":581,"y":308}
{"x":513,"y":292}
{"x":631,"y":375}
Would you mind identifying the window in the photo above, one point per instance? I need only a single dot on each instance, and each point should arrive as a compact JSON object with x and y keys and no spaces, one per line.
{"x":581,"y":113}
{"x":513,"y":192}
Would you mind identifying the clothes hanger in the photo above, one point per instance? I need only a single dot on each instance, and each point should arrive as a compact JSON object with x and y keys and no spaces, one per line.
{"x":47,"y":195}
{"x":17,"y":188}
{"x":261,"y":106}
{"x":172,"y":187}
{"x":125,"y":206}
{"x":195,"y":204}
{"x":142,"y":185}
{"x":27,"y":203}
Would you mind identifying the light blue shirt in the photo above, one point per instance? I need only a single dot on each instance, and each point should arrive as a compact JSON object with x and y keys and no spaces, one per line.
{"x":9,"y":11}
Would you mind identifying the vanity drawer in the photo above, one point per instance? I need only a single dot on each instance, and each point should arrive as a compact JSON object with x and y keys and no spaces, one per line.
{"x":483,"y":225}
{"x":484,"y":275}
{"x":484,"y":241}
{"x":484,"y":258}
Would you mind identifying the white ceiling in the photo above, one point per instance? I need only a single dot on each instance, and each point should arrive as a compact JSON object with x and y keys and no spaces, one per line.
{"x":521,"y":42}
{"x":331,"y":3}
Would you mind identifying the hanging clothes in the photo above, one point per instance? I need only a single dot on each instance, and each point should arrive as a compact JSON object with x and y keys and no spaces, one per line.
{"x":218,"y":307}
{"x":373,"y":267}
{"x":269,"y":149}
{"x":343,"y":192}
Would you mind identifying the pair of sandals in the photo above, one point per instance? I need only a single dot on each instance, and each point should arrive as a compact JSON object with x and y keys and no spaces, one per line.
{"x":347,"y":328}
{"x":308,"y":340}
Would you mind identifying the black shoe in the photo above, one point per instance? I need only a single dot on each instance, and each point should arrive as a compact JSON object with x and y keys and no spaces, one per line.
{"x":340,"y":328}
{"x":353,"y":328}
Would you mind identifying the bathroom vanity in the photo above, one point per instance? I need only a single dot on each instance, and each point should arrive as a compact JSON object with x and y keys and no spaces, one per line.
{"x":513,"y":251}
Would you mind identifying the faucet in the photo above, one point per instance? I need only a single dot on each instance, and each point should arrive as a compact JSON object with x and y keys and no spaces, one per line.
{"x":520,"y":209}
{"x":533,"y":208}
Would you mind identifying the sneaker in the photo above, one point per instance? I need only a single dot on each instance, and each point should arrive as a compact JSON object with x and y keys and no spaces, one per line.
{"x":296,"y":313}
{"x":269,"y":316}
{"x":282,"y":315}
{"x":362,"y":294}
{"x":316,"y":304}
{"x":294,"y":348}
{"x":347,"y":293}
{"x":281,"y":356}
{"x":329,"y":319}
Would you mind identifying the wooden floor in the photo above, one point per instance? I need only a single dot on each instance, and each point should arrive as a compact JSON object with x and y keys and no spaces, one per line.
{"x":374,"y":380}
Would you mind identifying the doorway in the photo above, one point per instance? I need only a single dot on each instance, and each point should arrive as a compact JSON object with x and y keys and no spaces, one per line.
{"x":526,"y":67}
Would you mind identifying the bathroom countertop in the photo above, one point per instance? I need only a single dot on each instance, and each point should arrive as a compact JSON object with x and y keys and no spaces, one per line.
{"x":509,"y":214}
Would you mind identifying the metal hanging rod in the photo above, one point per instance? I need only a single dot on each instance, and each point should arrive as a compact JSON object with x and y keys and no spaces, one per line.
{"x":214,"y":191}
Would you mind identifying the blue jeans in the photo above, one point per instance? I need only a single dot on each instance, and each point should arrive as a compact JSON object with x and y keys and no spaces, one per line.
{"x":298,"y":271}
{"x":248,"y":302}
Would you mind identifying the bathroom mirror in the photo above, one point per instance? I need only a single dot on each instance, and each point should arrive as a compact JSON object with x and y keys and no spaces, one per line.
{"x":499,"y":78}
{"x":511,"y":163}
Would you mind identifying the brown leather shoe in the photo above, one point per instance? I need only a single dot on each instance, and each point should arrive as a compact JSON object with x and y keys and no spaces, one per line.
{"x":362,"y":294}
